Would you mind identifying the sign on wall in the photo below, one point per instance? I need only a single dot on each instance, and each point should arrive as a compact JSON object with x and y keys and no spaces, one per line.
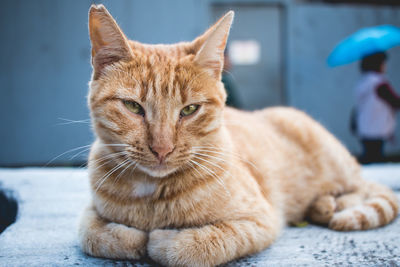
{"x":244,"y":52}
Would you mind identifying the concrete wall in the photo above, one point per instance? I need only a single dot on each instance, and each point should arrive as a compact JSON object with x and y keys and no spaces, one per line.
{"x":46,"y":66}
{"x":327,"y":93}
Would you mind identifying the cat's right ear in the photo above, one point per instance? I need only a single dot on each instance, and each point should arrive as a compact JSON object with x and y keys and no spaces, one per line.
{"x":109,"y":44}
{"x":210,"y":55}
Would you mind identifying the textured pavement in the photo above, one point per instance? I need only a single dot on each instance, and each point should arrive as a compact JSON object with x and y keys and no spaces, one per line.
{"x":51,"y":200}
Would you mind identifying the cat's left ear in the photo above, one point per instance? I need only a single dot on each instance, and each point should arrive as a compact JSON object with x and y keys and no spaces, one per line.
{"x":210,"y":56}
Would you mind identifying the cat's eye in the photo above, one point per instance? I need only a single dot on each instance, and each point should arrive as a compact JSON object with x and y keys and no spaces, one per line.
{"x":134,"y":107}
{"x":189,"y":110}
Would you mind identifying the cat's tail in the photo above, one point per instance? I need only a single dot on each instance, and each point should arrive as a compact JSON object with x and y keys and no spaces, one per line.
{"x":373,"y":206}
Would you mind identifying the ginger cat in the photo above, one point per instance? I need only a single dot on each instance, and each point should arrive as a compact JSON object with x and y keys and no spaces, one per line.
{"x":180,"y":177}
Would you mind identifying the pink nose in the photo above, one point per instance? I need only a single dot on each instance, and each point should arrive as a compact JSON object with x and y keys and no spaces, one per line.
{"x":161,"y":152}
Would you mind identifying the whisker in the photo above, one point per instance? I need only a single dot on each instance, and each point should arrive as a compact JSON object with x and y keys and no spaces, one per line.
{"x":193,"y":167}
{"x":127,"y":167}
{"x":212,"y":150}
{"x":86,"y":149}
{"x":198,"y":172}
{"x":104,"y":178}
{"x":133,"y":169}
{"x":68,"y":121}
{"x":216,"y":152}
{"x":125,"y":145}
{"x":218,"y":158}
{"x":218,"y":179}
{"x":214,"y":164}
{"x":221,"y":152}
{"x":79,"y":153}
{"x":66,"y":152}
{"x":110,"y":158}
{"x":214,"y":157}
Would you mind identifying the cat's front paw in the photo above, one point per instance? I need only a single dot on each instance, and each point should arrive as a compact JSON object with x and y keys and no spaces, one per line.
{"x":185,"y":247}
{"x":110,"y":240}
{"x":161,"y":246}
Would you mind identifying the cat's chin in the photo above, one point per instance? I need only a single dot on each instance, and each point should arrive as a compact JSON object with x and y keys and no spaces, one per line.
{"x":159,"y":171}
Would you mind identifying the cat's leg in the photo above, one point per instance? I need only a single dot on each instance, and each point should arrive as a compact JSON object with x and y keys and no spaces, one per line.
{"x":100,"y":238}
{"x":322,"y":209}
{"x":213,"y":244}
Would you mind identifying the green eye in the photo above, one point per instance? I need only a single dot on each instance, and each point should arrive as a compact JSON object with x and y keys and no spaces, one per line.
{"x":134,"y":107}
{"x":189,"y":110}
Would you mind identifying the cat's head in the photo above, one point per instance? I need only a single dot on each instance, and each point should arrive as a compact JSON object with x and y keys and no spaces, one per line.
{"x":158,"y":101}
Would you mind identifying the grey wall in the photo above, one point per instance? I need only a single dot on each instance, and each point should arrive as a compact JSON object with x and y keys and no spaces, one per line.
{"x":45,"y":68}
{"x":43,"y":76}
{"x":327,"y":93}
{"x":44,"y":51}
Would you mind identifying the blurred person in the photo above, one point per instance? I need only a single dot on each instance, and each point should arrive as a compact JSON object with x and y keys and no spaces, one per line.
{"x":232,"y":99}
{"x":376,"y":102}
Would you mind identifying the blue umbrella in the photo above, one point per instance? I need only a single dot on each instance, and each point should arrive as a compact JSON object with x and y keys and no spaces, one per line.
{"x":364,"y":42}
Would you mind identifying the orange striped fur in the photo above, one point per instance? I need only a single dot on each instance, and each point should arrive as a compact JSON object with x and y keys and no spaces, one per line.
{"x":203,"y":189}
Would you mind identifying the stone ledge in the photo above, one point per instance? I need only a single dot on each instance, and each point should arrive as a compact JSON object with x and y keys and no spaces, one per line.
{"x":51,"y":200}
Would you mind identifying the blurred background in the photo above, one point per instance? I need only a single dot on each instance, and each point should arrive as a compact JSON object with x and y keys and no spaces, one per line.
{"x":277,"y":51}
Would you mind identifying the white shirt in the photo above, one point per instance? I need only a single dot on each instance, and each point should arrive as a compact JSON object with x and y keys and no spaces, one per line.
{"x":375,"y":118}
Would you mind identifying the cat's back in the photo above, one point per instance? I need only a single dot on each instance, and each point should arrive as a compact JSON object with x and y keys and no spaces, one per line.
{"x":285,"y":140}
{"x":277,"y":124}
{"x":274,"y":137}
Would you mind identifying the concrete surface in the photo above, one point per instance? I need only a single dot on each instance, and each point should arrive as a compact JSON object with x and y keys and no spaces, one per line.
{"x":51,"y":200}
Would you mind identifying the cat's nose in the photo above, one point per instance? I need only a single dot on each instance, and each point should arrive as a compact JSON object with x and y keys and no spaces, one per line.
{"x":161,"y":151}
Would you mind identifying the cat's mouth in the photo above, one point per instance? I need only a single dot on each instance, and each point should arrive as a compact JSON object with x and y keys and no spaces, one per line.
{"x":160,"y":167}
{"x":158,"y":170}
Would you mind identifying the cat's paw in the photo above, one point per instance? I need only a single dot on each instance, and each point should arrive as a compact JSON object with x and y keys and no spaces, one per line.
{"x":322,"y":210}
{"x":110,"y":240}
{"x":128,"y":239}
{"x":115,"y":241}
{"x":186,"y":247}
{"x":161,"y":246}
